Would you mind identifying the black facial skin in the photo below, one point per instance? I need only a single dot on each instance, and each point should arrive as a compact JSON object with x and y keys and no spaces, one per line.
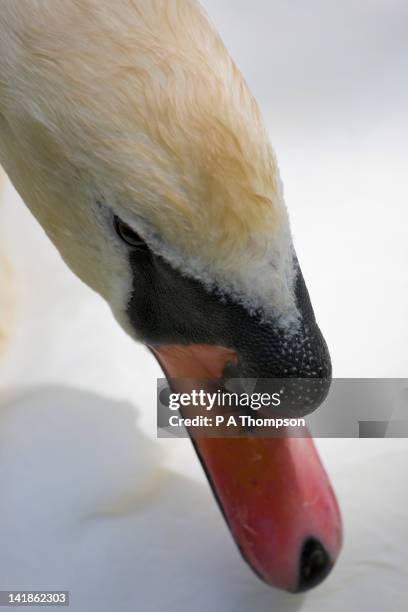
{"x":167,"y":308}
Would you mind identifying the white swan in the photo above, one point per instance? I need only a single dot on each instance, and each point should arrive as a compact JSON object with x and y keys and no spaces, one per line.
{"x":132,"y":137}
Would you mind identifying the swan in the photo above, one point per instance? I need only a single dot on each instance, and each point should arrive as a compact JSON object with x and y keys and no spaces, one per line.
{"x":130,"y":134}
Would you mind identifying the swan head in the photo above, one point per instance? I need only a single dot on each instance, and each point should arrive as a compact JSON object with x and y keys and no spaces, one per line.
{"x":134,"y":140}
{"x":163,"y":134}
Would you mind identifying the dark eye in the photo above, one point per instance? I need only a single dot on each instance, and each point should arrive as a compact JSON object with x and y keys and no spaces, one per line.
{"x":128,"y":235}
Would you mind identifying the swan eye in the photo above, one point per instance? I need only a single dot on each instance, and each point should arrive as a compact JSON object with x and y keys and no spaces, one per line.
{"x":128,"y":235}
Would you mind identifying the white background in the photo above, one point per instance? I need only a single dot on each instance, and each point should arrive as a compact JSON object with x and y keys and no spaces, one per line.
{"x":91,"y":502}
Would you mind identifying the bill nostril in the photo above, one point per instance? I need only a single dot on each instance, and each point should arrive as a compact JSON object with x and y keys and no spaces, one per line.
{"x":315,"y":565}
